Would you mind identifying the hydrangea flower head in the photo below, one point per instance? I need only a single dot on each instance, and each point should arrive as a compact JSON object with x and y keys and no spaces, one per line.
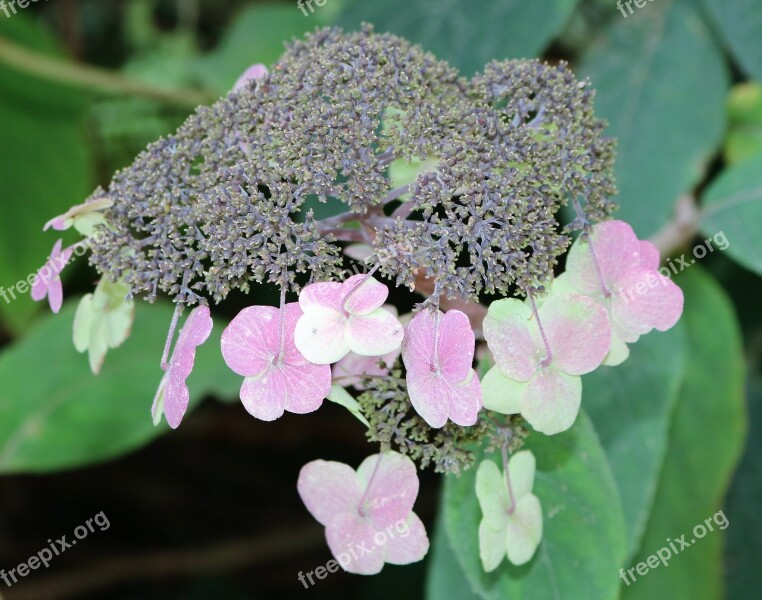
{"x":103,"y":320}
{"x":621,"y":273}
{"x":48,"y":280}
{"x":173,"y":395}
{"x":259,"y":344}
{"x":343,"y":317}
{"x":539,"y":358}
{"x":511,"y":522}
{"x":368,"y":514}
{"x":438,"y":354}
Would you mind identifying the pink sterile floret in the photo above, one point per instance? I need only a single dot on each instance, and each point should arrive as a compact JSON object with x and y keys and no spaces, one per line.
{"x":48,"y":280}
{"x":539,"y":358}
{"x":259,"y":344}
{"x":368,"y":515}
{"x":173,"y":392}
{"x":637,"y":296}
{"x":343,"y":317}
{"x":438,"y":353}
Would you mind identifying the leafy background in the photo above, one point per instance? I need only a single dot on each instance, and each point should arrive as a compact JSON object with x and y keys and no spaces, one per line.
{"x":665,"y":441}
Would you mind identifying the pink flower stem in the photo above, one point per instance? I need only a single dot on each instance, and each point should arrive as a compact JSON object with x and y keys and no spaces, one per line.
{"x":368,"y":275}
{"x":548,"y":351}
{"x":282,"y":324}
{"x":511,"y":497}
{"x":364,"y":499}
{"x":171,"y":335}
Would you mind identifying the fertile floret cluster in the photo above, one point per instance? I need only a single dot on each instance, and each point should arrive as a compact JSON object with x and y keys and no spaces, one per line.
{"x":220,"y":204}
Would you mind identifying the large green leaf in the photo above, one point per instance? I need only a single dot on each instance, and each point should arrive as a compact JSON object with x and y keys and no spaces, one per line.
{"x":631,"y":408}
{"x":744,"y":537}
{"x":45,"y":168}
{"x":584,"y":539}
{"x":661,"y":83}
{"x":445,"y":580}
{"x":54,"y":413}
{"x":733,"y":205}
{"x":465,"y":34}
{"x":705,"y":443}
{"x":740,"y":22}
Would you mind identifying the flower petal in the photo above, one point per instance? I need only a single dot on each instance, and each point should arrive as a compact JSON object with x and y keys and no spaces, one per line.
{"x":492,"y":545}
{"x":176,"y":396}
{"x":329,"y":488}
{"x":406,"y":543}
{"x":373,"y":334}
{"x":522,"y":467}
{"x":455,"y":348}
{"x":320,"y":335}
{"x":645,"y":300}
{"x":578,"y":332}
{"x":255,"y":71}
{"x":363,"y":294}
{"x":393,"y":489}
{"x":55,"y":295}
{"x":492,"y":493}
{"x":195,"y":332}
{"x":500,"y":393}
{"x":524,"y":530}
{"x":325,"y":294}
{"x":617,"y":250}
{"x":351,"y":540}
{"x":465,"y":400}
{"x":507,"y":329}
{"x":649,"y":255}
{"x":250,"y":341}
{"x":429,"y":396}
{"x":551,"y":400}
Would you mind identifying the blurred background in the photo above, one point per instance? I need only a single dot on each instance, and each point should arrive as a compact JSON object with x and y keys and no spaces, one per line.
{"x":211,"y":510}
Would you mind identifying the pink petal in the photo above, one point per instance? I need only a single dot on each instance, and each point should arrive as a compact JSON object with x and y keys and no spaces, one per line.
{"x":393,"y":488}
{"x":55,"y":295}
{"x":351,"y":540}
{"x":466,"y":401}
{"x":407,"y":542}
{"x":374,"y":334}
{"x":297,"y":388}
{"x":264,"y":396}
{"x":551,"y":400}
{"x":58,"y":223}
{"x":645,"y":300}
{"x":195,"y":332}
{"x":56,"y":249}
{"x":328,"y":489}
{"x":176,"y":397}
{"x":617,"y":249}
{"x":39,"y":286}
{"x":320,"y":335}
{"x":329,"y":294}
{"x":510,"y":331}
{"x":649,"y":255}
{"x":363,"y":294}
{"x":256,"y":71}
{"x":455,"y":348}
{"x":250,"y":342}
{"x":351,"y":369}
{"x":578,"y":332}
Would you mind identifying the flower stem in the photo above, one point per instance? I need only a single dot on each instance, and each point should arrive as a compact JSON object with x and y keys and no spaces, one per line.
{"x":364,"y":499}
{"x":548,"y":351}
{"x":171,"y":335}
{"x":511,"y":498}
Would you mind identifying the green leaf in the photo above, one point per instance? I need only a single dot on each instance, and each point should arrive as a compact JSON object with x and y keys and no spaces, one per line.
{"x":667,"y":112}
{"x":46,"y":168}
{"x":341,"y":396}
{"x":744,"y":538}
{"x":55,"y":414}
{"x":445,"y":580}
{"x":257,"y":35}
{"x":740,"y":23}
{"x":706,"y":440}
{"x":733,"y":205}
{"x":631,"y":407}
{"x":584,"y":537}
{"x":466,"y":36}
